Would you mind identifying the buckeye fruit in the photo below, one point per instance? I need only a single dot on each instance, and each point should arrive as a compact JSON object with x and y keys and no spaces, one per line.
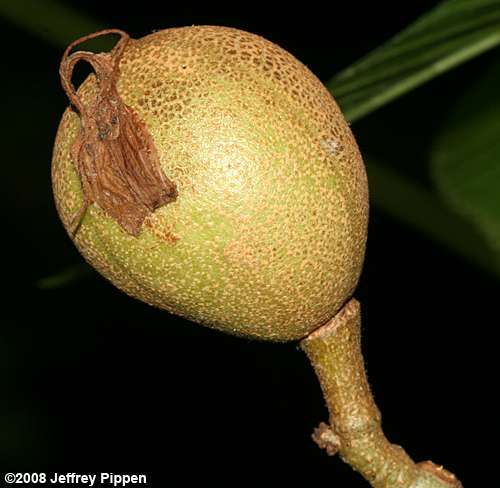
{"x":207,"y":172}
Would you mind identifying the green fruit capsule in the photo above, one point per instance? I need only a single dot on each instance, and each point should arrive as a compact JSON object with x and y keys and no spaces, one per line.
{"x":206,"y":171}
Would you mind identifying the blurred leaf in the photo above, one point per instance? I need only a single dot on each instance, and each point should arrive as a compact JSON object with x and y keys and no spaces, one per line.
{"x":52,"y":20}
{"x":406,"y":201}
{"x":450,"y":34}
{"x":65,"y":277}
{"x":466,"y":157}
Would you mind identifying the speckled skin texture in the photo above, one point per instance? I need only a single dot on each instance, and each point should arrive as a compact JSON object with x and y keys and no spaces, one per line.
{"x":266,"y":238}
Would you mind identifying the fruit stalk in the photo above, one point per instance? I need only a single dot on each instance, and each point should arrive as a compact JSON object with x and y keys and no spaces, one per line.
{"x":355,"y":430}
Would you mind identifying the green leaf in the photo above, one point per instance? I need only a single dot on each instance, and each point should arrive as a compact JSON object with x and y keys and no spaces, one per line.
{"x":51,"y":20}
{"x":65,"y":277}
{"x":450,"y":34}
{"x":466,"y":157}
{"x":406,"y":201}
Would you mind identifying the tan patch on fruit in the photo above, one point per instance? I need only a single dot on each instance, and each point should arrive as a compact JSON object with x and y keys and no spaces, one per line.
{"x":271,"y":215}
{"x":162,"y":229}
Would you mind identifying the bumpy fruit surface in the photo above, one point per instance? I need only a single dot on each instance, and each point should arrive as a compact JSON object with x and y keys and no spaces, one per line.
{"x":267,"y":234}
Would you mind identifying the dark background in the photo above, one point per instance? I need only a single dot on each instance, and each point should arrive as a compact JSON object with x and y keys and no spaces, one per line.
{"x":92,"y":380}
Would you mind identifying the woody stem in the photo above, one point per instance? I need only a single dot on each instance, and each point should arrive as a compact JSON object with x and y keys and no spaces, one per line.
{"x":355,"y":423}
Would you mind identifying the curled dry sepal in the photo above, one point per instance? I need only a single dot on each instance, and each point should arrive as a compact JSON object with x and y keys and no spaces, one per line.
{"x":114,"y":153}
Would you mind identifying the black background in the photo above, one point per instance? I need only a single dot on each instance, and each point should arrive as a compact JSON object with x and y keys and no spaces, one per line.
{"x":93,"y":381}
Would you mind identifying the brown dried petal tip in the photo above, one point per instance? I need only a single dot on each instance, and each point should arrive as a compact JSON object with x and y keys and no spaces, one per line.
{"x":114,"y":153}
